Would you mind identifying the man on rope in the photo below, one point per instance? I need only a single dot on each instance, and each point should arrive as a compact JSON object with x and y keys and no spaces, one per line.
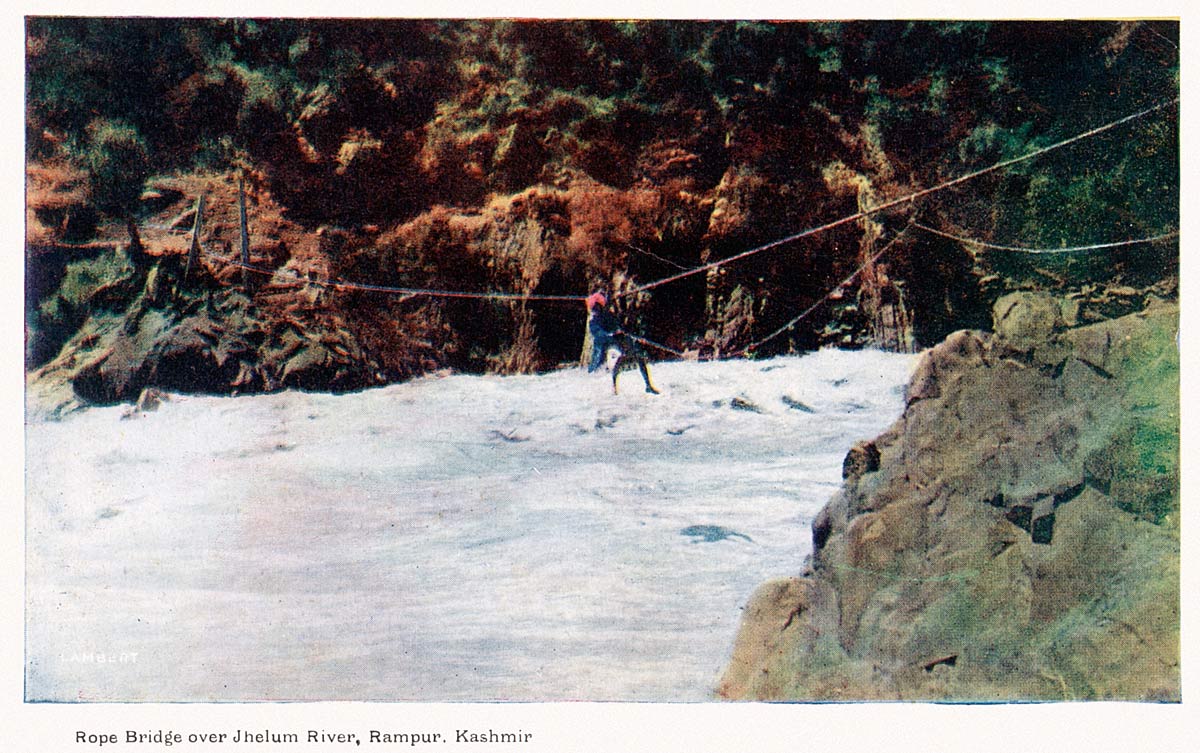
{"x":606,"y":332}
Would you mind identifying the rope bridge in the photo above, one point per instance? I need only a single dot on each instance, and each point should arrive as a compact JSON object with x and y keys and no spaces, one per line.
{"x":908,"y":199}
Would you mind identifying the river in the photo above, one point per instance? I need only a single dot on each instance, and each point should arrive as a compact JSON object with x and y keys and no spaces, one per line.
{"x":454,"y":538}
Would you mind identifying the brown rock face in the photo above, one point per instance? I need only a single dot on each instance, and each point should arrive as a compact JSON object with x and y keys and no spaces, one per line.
{"x":1018,"y":540}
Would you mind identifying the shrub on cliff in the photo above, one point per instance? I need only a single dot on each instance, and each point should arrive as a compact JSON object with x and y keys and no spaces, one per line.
{"x":118,"y":165}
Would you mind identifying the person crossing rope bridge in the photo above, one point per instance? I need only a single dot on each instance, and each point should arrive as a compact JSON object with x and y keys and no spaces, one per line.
{"x":633,"y":340}
{"x":607,"y":332}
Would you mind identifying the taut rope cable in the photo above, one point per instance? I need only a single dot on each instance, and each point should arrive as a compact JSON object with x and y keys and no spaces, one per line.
{"x":660,"y":346}
{"x":411,"y":292}
{"x":655,"y":256}
{"x":907,"y":199}
{"x":1066,"y":250}
{"x":903,"y":199}
{"x":823,"y":298}
{"x":1161,"y":36}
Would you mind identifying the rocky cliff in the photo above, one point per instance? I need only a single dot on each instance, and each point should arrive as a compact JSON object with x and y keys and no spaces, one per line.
{"x":1015,"y":535}
{"x":555,"y":158}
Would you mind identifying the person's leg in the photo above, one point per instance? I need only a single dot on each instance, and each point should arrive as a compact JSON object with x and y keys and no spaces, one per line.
{"x":617,"y":367}
{"x":646,"y":375}
{"x":599,"y":350}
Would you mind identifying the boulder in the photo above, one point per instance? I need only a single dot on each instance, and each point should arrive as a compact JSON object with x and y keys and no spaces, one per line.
{"x":1014,"y":536}
{"x":862,"y":458}
{"x":773,"y":609}
{"x":1024,"y":319}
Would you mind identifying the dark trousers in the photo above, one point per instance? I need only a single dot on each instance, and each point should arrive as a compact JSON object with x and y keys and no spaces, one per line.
{"x":630,"y":352}
{"x":624,"y":362}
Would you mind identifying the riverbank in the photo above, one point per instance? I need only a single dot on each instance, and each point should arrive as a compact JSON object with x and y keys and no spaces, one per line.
{"x":1015,"y":535}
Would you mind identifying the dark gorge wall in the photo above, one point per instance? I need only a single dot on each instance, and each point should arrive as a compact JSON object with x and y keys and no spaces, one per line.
{"x":554,"y":158}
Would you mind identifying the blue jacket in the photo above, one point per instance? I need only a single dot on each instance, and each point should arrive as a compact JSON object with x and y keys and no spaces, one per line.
{"x":603,"y":327}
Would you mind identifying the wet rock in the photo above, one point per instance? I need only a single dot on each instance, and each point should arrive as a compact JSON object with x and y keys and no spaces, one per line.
{"x":195,"y":356}
{"x":309,"y":366}
{"x":744,"y":404}
{"x":822,"y":527}
{"x":795,"y":404}
{"x":150,"y":400}
{"x":711,"y":534}
{"x":116,"y":374}
{"x":862,"y":458}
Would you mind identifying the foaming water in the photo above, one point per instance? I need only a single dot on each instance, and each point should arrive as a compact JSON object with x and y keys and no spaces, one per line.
{"x":457,"y":538}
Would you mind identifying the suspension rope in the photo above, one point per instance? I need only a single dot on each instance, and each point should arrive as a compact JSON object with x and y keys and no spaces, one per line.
{"x":907,"y":199}
{"x":823,"y":298}
{"x":1065,"y":250}
{"x":1159,"y":34}
{"x":659,"y":346}
{"x":655,"y":256}
{"x":409,"y":292}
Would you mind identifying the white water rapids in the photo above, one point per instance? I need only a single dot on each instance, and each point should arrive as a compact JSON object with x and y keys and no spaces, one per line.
{"x":456,"y":538}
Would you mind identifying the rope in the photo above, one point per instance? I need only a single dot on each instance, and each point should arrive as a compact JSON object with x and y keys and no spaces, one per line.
{"x":656,"y":257}
{"x":1066,"y":250}
{"x":653,"y":344}
{"x":887,"y":205}
{"x":823,"y":298}
{"x":410,"y":292}
{"x":909,"y":198}
{"x":1158,"y":34}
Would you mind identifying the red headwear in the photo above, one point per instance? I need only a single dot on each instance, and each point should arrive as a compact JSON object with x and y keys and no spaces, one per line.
{"x":596,"y":298}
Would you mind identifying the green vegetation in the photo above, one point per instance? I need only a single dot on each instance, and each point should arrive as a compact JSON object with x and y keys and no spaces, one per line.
{"x":118,"y":165}
{"x":943,"y":97}
{"x":661,"y":144}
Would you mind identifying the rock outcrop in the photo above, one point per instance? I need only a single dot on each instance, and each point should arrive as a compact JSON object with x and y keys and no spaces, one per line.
{"x":1015,"y":535}
{"x":552,"y":158}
